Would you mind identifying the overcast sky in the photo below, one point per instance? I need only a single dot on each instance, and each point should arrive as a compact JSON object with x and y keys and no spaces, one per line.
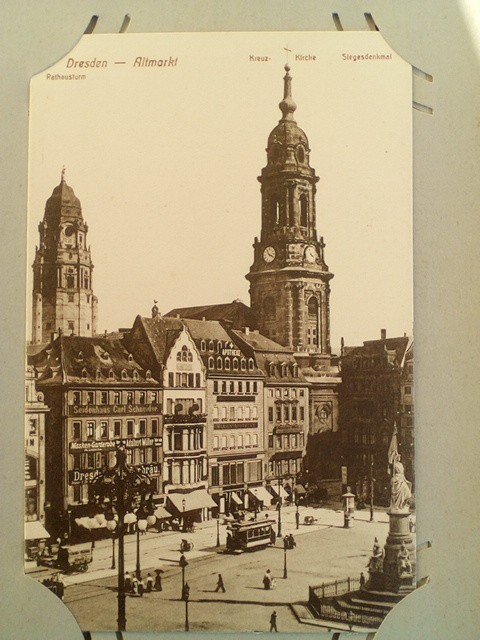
{"x":164,"y":161}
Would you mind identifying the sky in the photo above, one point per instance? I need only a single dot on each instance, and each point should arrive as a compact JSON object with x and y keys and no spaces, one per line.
{"x":165,"y":159}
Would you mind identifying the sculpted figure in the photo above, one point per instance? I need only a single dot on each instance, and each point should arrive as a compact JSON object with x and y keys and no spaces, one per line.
{"x":401,"y":493}
{"x":376,"y":560}
{"x":404,"y":566}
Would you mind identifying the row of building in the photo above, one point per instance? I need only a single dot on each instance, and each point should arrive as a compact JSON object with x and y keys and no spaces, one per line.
{"x":218,"y":415}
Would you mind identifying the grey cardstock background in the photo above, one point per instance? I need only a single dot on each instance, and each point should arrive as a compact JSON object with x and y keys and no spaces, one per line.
{"x":433,"y":35}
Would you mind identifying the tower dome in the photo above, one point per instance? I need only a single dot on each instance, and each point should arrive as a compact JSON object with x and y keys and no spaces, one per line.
{"x":287,"y":146}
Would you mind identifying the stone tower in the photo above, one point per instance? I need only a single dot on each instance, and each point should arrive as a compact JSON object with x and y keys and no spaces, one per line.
{"x":289,"y":278}
{"x":63,"y":298}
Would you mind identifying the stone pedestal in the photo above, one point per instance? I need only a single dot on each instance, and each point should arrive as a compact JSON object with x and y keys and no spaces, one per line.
{"x":399,"y":532}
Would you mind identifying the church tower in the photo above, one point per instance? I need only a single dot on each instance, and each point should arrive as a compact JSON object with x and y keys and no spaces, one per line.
{"x":63,"y":298}
{"x":289,"y":280}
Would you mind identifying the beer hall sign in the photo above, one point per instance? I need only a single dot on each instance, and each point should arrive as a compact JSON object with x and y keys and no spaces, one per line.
{"x":88,"y":476}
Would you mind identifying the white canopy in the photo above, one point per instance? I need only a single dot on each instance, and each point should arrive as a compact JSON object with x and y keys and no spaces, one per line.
{"x":35,"y":530}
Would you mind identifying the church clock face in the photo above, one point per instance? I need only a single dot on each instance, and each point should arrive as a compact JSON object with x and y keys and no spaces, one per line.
{"x":310,"y":254}
{"x":269,"y":254}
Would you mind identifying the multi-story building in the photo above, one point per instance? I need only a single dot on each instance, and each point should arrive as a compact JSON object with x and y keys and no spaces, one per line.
{"x":376,"y":398}
{"x":286,"y":407}
{"x":166,"y":346}
{"x":235,"y":420}
{"x":62,"y":271}
{"x":97,"y":394}
{"x":35,"y":502}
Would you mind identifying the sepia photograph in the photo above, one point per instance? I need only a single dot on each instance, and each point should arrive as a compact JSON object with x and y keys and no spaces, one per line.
{"x":219,"y":409}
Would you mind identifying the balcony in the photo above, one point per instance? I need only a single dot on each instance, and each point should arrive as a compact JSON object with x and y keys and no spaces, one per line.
{"x":181,"y":418}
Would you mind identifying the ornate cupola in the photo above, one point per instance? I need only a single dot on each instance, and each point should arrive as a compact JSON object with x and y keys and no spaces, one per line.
{"x":289,"y":278}
{"x":62,"y":271}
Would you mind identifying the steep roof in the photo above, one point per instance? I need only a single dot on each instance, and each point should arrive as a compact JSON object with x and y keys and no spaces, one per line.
{"x":236,"y":312}
{"x":86,"y":359}
{"x":161,"y":333}
{"x":397,"y":346}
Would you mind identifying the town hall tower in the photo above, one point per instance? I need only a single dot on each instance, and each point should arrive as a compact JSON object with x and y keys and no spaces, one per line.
{"x":289,"y":278}
{"x":63,"y":298}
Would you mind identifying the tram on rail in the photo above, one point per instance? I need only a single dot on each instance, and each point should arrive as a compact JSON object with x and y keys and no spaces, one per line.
{"x":243,"y":536}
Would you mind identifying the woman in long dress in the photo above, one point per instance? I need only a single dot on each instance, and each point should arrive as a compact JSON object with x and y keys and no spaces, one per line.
{"x":401,"y":493}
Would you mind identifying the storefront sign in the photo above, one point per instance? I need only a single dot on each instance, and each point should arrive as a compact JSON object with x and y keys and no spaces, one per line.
{"x":107,"y":445}
{"x":89,"y":476}
{"x":231,"y":352}
{"x":113,"y":409}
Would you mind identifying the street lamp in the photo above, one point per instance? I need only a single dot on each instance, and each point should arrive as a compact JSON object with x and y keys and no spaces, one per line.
{"x":185,"y":597}
{"x":285,"y":548}
{"x":183,"y":562}
{"x":297,"y":514}
{"x":279,"y":532}
{"x":372,"y":480}
{"x":218,"y":529}
{"x":111,"y":526}
{"x":141,"y":527}
{"x":118,"y":488}
{"x":184,"y":502}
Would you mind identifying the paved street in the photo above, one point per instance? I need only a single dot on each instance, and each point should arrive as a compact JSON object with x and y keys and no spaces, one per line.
{"x":325,"y":552}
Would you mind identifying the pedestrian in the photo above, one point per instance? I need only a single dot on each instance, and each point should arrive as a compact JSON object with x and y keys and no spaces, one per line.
{"x":362,"y":581}
{"x":135,"y":585}
{"x":297,"y":518}
{"x":158,"y":580}
{"x":141,"y":587}
{"x":273,"y":621}
{"x":273,"y":537}
{"x":127,"y":582}
{"x":291,"y":542}
{"x":220,"y":584}
{"x":267,"y":579}
{"x":149,"y":583}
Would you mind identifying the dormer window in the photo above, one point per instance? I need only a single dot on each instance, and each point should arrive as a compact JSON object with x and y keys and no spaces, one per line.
{"x":227,"y":364}
{"x":130,"y":357}
{"x":243,"y":364}
{"x":135,"y":374}
{"x":235,"y":364}
{"x":80,"y":356}
{"x":98,"y":374}
{"x":250,"y":364}
{"x":203,"y":345}
{"x":124,"y":374}
{"x":210,"y":345}
{"x":111,"y":375}
{"x":211,"y":362}
{"x":84,"y":373}
{"x":219,"y":364}
{"x":148,"y":374}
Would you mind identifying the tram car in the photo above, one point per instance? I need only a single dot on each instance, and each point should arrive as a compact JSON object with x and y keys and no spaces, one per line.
{"x":243,"y":536}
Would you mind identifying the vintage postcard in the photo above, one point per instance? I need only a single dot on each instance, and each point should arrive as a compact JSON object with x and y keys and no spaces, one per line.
{"x":219,"y":413}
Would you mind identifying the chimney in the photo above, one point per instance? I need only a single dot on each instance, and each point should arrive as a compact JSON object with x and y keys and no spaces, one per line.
{"x":203,"y":319}
{"x":383,"y":334}
{"x":342,"y":346}
{"x":246,"y":330}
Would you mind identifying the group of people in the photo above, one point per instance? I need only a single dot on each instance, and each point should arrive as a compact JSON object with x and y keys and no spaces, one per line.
{"x":136,"y":586}
{"x":289,"y":541}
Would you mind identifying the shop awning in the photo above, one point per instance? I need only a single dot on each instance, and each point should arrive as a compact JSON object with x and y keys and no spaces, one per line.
{"x":235,"y":498}
{"x":35,"y":530}
{"x":200,"y":499}
{"x":260,"y":493}
{"x":300,"y":490}
{"x":161,"y":513}
{"x":279,"y":491}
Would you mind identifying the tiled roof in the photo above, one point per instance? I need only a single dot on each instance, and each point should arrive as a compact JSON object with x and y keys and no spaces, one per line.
{"x":161,"y":333}
{"x":82,"y":359}
{"x":259,"y":342}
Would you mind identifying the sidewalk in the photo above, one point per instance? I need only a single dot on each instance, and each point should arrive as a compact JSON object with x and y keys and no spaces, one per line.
{"x":162,"y":550}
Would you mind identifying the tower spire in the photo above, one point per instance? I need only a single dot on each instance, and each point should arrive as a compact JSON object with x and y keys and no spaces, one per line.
{"x":287,"y":105}
{"x":62,"y":178}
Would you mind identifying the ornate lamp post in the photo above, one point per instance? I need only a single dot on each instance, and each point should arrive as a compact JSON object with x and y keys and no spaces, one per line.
{"x":279,"y":531}
{"x":183,"y":562}
{"x":183,"y":517}
{"x":185,"y":597}
{"x":218,"y":529}
{"x":141,"y":527}
{"x":297,"y":514}
{"x":118,"y":488}
{"x":372,"y":481}
{"x":111,"y":526}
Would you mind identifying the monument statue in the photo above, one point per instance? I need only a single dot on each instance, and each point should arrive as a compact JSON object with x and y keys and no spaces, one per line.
{"x":400,"y":487}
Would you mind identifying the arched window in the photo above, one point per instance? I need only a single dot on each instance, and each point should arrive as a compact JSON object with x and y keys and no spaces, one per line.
{"x":250,"y":364}
{"x":219,"y":363}
{"x":312,"y":332}
{"x":210,"y":345}
{"x":235,"y":364}
{"x":304,"y":210}
{"x":203,"y":345}
{"x":227,"y":364}
{"x":269,"y":310}
{"x":244,"y":364}
{"x":275,"y":209}
{"x":211,"y":362}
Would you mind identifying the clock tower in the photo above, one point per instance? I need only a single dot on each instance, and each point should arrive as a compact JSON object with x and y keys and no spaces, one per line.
{"x":289,"y":280}
{"x":63,"y":298}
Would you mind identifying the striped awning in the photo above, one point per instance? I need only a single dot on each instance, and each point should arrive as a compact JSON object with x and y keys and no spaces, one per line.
{"x":279,"y":491}
{"x":161,"y":513}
